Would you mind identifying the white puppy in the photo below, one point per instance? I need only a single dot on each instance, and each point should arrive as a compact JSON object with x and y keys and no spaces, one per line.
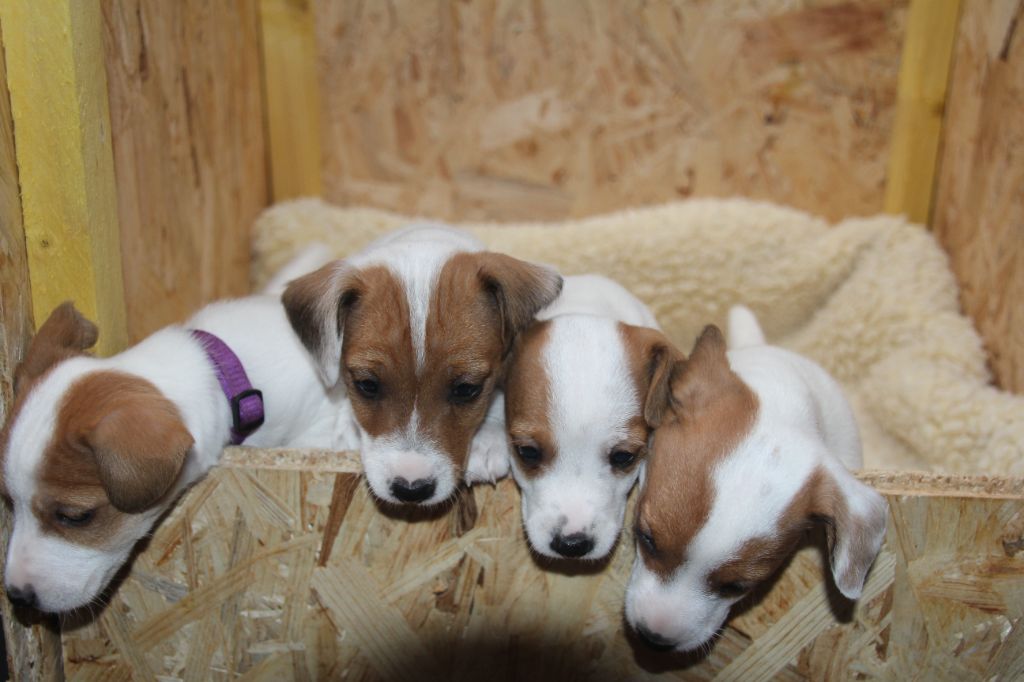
{"x":754,"y":445}
{"x":96,"y":449}
{"x":575,"y":407}
{"x":419,"y":327}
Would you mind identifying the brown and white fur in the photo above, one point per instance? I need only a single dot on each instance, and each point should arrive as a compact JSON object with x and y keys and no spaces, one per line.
{"x":756,"y":443}
{"x":575,"y":408}
{"x":418,"y":327}
{"x":96,"y":449}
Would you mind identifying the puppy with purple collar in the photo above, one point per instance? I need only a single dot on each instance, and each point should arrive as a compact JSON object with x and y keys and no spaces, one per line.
{"x":753,"y":445}
{"x":576,"y":409}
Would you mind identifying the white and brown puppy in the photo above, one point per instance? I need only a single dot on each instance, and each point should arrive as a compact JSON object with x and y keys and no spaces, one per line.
{"x":96,"y":449}
{"x":419,"y":326}
{"x":756,"y":445}
{"x":575,"y":407}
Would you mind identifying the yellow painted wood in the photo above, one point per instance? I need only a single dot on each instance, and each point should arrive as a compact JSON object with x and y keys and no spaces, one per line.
{"x":917,"y":132}
{"x":58,"y":88}
{"x":292,"y":97}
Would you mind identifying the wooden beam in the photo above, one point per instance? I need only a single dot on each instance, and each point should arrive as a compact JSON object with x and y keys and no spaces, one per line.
{"x":292,"y":95}
{"x":921,"y":101}
{"x":33,"y":648}
{"x":58,"y":91}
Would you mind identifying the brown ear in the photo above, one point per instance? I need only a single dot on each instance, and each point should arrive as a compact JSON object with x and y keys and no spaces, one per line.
{"x":519,"y":291}
{"x":65,"y":333}
{"x":656,"y":361}
{"x":855,"y":518}
{"x":317,"y":305}
{"x":697,"y":383}
{"x":139,"y":441}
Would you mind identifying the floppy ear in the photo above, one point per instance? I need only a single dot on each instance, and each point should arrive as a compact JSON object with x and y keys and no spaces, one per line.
{"x":855,"y":516}
{"x":317,"y":305}
{"x":704,"y":374}
{"x":140,"y":443}
{"x":519,"y":291}
{"x":660,"y":362}
{"x":65,"y":333}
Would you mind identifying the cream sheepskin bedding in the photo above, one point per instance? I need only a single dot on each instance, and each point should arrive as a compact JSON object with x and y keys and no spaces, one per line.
{"x":871,"y":299}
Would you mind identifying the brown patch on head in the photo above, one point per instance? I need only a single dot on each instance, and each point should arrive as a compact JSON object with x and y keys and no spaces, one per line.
{"x":117,"y":449}
{"x":528,"y":398}
{"x":715,"y":410}
{"x":654,"y":361}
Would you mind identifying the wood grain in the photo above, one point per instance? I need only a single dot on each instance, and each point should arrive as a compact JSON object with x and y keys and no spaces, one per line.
{"x":979,"y":214}
{"x":543,"y":109}
{"x":189,"y":153}
{"x":58,"y":94}
{"x":402,"y":596}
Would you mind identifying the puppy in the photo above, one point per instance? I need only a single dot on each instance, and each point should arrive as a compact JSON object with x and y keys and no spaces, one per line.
{"x":418,"y":327}
{"x":95,"y":450}
{"x":576,"y":413}
{"x":753,"y":445}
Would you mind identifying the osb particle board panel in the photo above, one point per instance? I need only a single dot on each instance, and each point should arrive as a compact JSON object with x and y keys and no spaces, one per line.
{"x":979,"y":211}
{"x":287,"y":570}
{"x":186,"y":111}
{"x":543,"y":109}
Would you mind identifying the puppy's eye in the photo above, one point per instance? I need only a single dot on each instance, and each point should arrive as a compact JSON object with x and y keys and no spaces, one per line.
{"x":368,"y":388}
{"x":734,"y":589}
{"x":75,"y":519}
{"x":464,"y":392}
{"x":528,"y":455}
{"x":646,"y":541}
{"x":620,"y":459}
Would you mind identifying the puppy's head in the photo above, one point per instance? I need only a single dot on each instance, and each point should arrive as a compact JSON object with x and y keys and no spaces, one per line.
{"x":421,"y":342}
{"x":89,"y":458}
{"x":726,"y":499}
{"x":576,"y":410}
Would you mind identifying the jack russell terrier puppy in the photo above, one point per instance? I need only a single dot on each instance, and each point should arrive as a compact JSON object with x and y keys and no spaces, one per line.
{"x":95,"y":450}
{"x":576,"y":413}
{"x":752,"y":446}
{"x":419,"y":327}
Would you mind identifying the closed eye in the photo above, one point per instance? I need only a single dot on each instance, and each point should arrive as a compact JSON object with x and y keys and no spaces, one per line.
{"x":75,"y":519}
{"x":464,"y":392}
{"x":645,"y":541}
{"x":734,"y":589}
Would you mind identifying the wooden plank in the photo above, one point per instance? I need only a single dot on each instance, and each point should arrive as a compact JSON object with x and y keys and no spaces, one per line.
{"x":924,"y":75}
{"x":58,"y":92}
{"x":292,"y":97}
{"x":544,"y":109}
{"x":979,"y":212}
{"x":401,"y":591}
{"x":33,"y":648}
{"x":189,"y":151}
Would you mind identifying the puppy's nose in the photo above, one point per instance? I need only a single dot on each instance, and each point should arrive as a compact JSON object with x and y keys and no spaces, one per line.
{"x":653,"y":639}
{"x":22,"y":596}
{"x":575,"y":545}
{"x":417,"y":491}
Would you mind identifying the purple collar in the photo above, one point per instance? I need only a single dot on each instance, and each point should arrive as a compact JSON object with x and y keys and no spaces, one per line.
{"x":246,"y":402}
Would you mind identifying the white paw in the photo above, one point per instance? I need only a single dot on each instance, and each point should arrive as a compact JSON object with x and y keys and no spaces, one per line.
{"x":488,"y":455}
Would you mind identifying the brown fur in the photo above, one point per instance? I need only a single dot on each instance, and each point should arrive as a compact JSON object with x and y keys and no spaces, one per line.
{"x":715,"y":410}
{"x":528,"y":399}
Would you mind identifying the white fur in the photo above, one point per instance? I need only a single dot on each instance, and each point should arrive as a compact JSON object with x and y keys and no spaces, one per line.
{"x":803,"y":423}
{"x":299,"y":413}
{"x":592,"y":397}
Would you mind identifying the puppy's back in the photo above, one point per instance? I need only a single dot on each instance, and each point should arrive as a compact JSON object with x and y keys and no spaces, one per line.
{"x":600,"y":297}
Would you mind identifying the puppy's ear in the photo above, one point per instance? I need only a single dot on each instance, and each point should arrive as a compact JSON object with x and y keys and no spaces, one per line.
{"x":65,"y":333}
{"x":139,"y":441}
{"x":705,"y":375}
{"x":518,"y":289}
{"x":317,"y":305}
{"x":855,"y":516}
{"x":656,"y":360}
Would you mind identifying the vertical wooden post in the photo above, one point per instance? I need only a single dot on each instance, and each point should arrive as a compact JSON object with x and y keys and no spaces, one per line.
{"x":921,"y":101}
{"x":58,"y":90}
{"x":292,"y":97}
{"x":33,"y":649}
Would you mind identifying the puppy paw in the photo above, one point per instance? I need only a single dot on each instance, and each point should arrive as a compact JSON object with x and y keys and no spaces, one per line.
{"x":488,"y":455}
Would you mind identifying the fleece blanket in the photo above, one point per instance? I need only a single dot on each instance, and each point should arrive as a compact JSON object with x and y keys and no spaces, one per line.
{"x":870,"y":299}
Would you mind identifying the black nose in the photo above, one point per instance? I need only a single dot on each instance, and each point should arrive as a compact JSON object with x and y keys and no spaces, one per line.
{"x":575,"y":545}
{"x":654,"y":640}
{"x":417,"y":491}
{"x":22,"y":596}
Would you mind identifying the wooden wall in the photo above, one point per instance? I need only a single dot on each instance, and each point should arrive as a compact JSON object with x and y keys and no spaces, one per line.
{"x":187,"y":118}
{"x":534,"y":109}
{"x":979,"y":210}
